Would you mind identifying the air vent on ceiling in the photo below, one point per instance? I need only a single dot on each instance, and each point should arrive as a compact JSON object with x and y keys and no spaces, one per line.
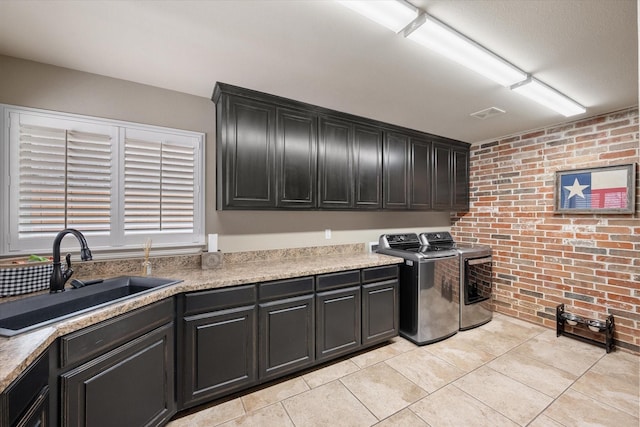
{"x":487,"y":112}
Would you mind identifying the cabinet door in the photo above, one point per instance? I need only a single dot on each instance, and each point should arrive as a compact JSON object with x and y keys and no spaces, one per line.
{"x":248,"y":153}
{"x":442,"y":177}
{"x":367,"y":164}
{"x":286,"y":336}
{"x":38,"y":413}
{"x":380,"y":314}
{"x":25,"y":402}
{"x":396,"y":172}
{"x":335,"y":160}
{"x":132,"y":385}
{"x":461,"y":179}
{"x":296,"y":159}
{"x":420,"y":174}
{"x":219,"y":354}
{"x":338,"y":327}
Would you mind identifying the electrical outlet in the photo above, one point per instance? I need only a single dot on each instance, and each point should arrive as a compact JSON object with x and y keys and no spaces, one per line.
{"x":327,"y":234}
{"x":373,"y":246}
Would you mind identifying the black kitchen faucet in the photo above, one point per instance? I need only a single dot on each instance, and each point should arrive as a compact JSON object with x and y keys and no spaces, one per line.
{"x":58,"y":278}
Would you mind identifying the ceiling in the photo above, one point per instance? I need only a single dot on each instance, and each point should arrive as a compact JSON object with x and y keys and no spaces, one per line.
{"x":322,"y":53}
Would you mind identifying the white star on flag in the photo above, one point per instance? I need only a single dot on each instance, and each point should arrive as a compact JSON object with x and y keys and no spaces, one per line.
{"x":575,"y":189}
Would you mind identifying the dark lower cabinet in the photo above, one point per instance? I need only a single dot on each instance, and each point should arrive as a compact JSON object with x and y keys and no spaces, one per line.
{"x":217,"y":351}
{"x":25,"y":403}
{"x":38,"y":413}
{"x":380,"y":304}
{"x":379,"y":311}
{"x":131,"y":385}
{"x":337,"y":322}
{"x":286,"y":336}
{"x":220,"y":348}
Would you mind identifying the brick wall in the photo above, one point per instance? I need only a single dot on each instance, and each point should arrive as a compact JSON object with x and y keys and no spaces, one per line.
{"x":591,"y":263}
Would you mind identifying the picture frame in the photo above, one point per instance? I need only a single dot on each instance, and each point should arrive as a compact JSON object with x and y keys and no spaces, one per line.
{"x":608,"y":189}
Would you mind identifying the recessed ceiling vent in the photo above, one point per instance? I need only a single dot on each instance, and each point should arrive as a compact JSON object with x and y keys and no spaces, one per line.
{"x":487,"y":112}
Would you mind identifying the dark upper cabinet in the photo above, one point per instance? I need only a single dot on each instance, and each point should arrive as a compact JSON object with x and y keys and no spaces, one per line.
{"x":407,"y":172}
{"x":335,"y":161}
{"x":349,"y":165}
{"x":296,"y":159}
{"x":276,"y":153}
{"x":246,"y":154}
{"x":367,"y":167}
{"x":396,"y":171}
{"x":460,"y":159}
{"x":420,"y":174}
{"x":450,"y":178}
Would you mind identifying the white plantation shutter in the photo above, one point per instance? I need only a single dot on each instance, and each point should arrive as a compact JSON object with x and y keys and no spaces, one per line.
{"x":116,"y":182}
{"x":62,"y":172}
{"x":41,"y":164}
{"x":160,"y":184}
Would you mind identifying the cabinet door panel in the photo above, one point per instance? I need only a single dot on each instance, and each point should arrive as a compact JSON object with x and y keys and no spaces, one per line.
{"x":296,"y":159}
{"x":420,"y":174}
{"x":286,"y":336}
{"x":334,"y":164}
{"x":396,"y":173}
{"x":250,"y":154}
{"x":380,"y":315}
{"x":129,"y":386}
{"x":338,"y":328}
{"x":442,"y":177}
{"x":367,"y":167}
{"x":220,"y":354}
{"x":461,"y":175}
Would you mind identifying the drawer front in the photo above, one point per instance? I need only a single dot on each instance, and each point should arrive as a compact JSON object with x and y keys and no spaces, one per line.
{"x":341,"y":279}
{"x":219,"y":299}
{"x":285,"y":288}
{"x":94,"y":340}
{"x":378,"y":274}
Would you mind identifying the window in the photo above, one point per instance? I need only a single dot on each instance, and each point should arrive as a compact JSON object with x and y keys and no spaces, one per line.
{"x":119,"y":183}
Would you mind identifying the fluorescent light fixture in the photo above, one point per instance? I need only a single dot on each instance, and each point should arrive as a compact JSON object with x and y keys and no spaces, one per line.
{"x":448,"y":42}
{"x":393,"y":14}
{"x":549,"y":97}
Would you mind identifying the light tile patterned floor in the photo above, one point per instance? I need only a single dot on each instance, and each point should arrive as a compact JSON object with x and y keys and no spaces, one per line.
{"x":504,"y":373}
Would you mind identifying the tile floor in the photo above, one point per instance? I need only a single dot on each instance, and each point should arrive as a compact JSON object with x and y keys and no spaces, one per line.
{"x":505,"y":373}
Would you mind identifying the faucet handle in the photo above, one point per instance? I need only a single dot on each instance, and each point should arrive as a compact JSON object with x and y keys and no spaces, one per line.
{"x":68,"y":271}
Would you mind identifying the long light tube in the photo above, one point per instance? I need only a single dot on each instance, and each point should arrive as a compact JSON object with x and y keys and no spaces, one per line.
{"x":448,"y":42}
{"x":549,"y":97}
{"x":393,"y":14}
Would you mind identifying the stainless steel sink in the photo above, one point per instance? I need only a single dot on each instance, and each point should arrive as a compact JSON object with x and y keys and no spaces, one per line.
{"x":29,"y":313}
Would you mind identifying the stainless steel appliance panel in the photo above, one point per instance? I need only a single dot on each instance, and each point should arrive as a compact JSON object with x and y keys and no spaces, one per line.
{"x":429,"y":299}
{"x":475,"y":289}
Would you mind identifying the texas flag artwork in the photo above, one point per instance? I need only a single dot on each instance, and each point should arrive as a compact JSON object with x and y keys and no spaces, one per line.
{"x":606,"y":189}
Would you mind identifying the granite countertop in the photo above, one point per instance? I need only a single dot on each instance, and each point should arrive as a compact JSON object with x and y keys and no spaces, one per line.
{"x":17,"y":353}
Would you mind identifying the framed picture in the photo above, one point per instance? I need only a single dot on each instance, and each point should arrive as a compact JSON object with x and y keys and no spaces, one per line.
{"x":610,"y":189}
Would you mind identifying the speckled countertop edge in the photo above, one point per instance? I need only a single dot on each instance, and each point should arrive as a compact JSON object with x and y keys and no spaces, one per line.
{"x":17,"y":353}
